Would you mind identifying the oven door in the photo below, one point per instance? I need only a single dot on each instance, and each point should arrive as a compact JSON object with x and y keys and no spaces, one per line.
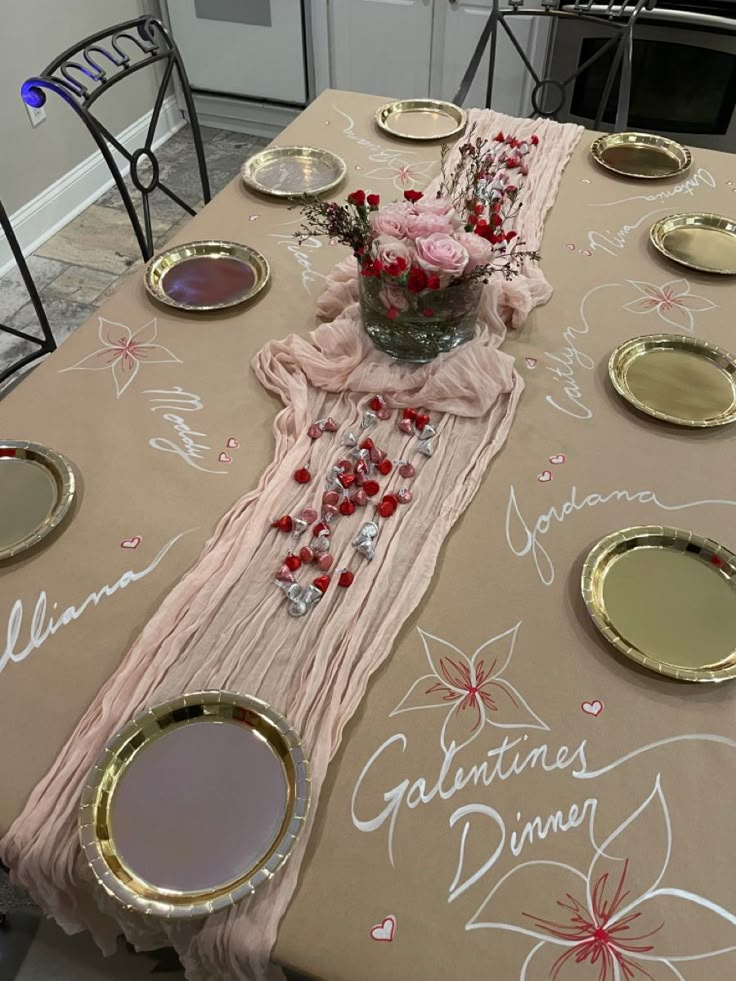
{"x":683,"y":78}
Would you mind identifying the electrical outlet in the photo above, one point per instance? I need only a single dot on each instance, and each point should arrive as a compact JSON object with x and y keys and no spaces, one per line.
{"x":36,"y":116}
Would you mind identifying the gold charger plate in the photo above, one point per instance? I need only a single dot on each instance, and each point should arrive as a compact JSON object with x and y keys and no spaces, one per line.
{"x":195,"y":803}
{"x":421,"y":119}
{"x":665,"y":598}
{"x":699,"y":241}
{"x":681,"y":380}
{"x":285,"y":171}
{"x":641,"y":155}
{"x":36,"y":492}
{"x":207,"y":275}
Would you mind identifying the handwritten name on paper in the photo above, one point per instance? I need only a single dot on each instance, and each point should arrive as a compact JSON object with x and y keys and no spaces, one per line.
{"x":566,"y":360}
{"x":701,"y":178}
{"x":523,"y":537}
{"x":42,"y":626}
{"x":300,"y":251}
{"x":614,"y":242}
{"x":172,"y":402}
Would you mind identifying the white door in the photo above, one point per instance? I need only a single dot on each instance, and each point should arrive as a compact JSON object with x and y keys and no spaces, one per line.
{"x":459,"y":24}
{"x":382,"y":46}
{"x":242,"y":47}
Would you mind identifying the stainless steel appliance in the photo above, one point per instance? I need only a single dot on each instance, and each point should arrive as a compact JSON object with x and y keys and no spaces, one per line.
{"x":683,"y":78}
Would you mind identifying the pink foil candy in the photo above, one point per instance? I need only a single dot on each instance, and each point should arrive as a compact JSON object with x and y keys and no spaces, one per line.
{"x":331,"y":498}
{"x":360,"y":498}
{"x":384,"y":413}
{"x":376,"y":455}
{"x":329,"y":425}
{"x":309,"y":515}
{"x":361,"y":468}
{"x":406,"y":470}
{"x":329,"y":512}
{"x":404,"y":496}
{"x":306,"y":554}
{"x":324,"y":562}
{"x":407,"y":426}
{"x":314,"y":432}
{"x":285,"y":574}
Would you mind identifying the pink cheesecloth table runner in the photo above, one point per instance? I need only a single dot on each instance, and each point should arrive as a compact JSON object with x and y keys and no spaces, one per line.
{"x":225,"y":625}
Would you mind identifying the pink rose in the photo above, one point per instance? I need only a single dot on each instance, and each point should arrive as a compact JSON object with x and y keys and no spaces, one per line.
{"x":480,"y":250}
{"x":389,"y":249}
{"x":423,"y":225}
{"x":394,"y":298}
{"x":435,"y":206}
{"x":443,"y":255}
{"x":390,"y":220}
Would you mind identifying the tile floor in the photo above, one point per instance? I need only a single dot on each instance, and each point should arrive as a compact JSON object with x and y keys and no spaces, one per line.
{"x":77,"y":268}
{"x":74,"y":271}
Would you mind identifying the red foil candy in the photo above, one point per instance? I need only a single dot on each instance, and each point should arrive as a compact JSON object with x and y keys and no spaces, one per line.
{"x":321,"y":582}
{"x":347,"y":508}
{"x":407,"y":470}
{"x":421,"y":420}
{"x":360,"y":498}
{"x":330,"y":426}
{"x":284,"y":523}
{"x":306,"y":554}
{"x":314,"y":432}
{"x":386,"y":509}
{"x":385,"y":467}
{"x":292,"y":562}
{"x":346,"y":578}
{"x":367,"y":444}
{"x":331,"y":497}
{"x":321,"y":529}
{"x":409,"y":414}
{"x":324,"y":562}
{"x":376,"y":403}
{"x":347,"y":479}
{"x":302,"y":475}
{"x":371,"y":488}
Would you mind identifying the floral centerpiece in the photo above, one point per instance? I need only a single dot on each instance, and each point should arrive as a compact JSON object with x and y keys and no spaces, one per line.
{"x":423,"y":261}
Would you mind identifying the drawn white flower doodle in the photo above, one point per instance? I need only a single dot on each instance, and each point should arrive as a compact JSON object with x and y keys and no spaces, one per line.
{"x":123,"y":352}
{"x":673,"y":302}
{"x":403,"y":175}
{"x":616,"y":921}
{"x":471,"y":690}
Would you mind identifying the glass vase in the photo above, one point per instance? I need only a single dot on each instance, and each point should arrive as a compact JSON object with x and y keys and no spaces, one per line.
{"x":418,"y":327}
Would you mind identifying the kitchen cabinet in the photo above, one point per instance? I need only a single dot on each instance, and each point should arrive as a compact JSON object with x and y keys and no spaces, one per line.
{"x":421,"y":48}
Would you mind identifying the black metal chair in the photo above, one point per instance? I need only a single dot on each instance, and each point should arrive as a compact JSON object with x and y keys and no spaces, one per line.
{"x":44,"y":344}
{"x":90,"y":68}
{"x":619,"y":16}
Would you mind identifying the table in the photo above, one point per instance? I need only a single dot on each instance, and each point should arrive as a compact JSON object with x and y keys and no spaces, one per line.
{"x":409,"y":855}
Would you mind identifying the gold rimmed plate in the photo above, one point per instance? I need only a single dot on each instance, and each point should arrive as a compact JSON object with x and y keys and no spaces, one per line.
{"x":699,"y":241}
{"x":209,"y":275}
{"x":665,"y":598}
{"x":195,"y":803}
{"x":286,"y":171}
{"x":641,"y":155}
{"x":36,"y":492}
{"x":678,"y":379}
{"x":421,"y":119}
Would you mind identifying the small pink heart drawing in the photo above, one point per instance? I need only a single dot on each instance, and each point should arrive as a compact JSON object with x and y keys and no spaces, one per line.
{"x":544,"y":476}
{"x":585,"y":252}
{"x":558,"y":458}
{"x":592,"y":708}
{"x":253,"y":217}
{"x":531,"y":362}
{"x":224,"y":458}
{"x":232,"y":443}
{"x":384,"y":930}
{"x":570,"y":247}
{"x":133,"y":542}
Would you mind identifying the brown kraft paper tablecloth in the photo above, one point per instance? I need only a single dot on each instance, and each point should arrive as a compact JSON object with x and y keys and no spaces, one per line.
{"x":416,"y":869}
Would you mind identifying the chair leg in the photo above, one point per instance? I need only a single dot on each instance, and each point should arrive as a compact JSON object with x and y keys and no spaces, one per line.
{"x":624,"y":95}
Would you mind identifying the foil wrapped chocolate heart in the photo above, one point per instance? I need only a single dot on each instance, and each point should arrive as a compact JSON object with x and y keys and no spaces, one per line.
{"x":407,"y":426}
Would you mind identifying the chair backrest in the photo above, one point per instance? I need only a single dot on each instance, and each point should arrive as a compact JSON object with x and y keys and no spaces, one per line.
{"x":617,"y":16}
{"x":39,"y":345}
{"x":84,"y":72}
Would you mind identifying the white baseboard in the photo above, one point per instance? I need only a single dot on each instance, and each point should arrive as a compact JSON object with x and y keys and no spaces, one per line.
{"x":63,"y":200}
